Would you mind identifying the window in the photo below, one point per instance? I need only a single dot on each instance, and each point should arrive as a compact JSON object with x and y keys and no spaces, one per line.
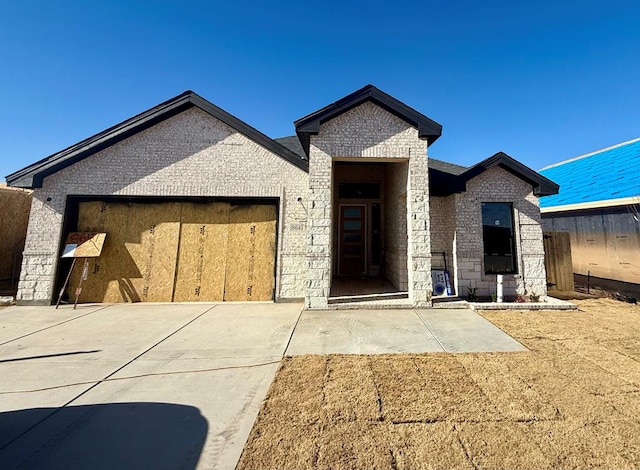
{"x":498,"y":237}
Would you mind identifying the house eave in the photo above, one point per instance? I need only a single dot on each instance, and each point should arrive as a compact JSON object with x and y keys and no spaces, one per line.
{"x":310,"y":125}
{"x":542,"y":186}
{"x":625,"y":201}
{"x":33,"y":175}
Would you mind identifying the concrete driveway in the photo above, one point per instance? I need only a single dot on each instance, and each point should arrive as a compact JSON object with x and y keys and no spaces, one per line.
{"x":178,"y":385}
{"x":135,"y":386}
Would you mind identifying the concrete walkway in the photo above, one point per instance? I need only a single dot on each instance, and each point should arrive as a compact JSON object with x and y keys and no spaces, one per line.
{"x":397,"y":331}
{"x":178,"y":385}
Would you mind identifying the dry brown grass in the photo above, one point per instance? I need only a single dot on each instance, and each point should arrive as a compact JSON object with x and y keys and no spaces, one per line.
{"x":573,"y":401}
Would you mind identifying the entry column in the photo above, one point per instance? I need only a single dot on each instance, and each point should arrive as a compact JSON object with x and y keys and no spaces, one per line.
{"x":418,"y":227}
{"x":318,"y":230}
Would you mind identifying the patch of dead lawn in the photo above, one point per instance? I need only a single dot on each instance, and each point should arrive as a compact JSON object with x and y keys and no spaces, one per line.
{"x":572,"y":401}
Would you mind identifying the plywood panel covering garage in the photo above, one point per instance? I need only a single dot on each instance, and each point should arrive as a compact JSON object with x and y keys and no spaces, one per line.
{"x":251,"y":252}
{"x":202,"y":255}
{"x":178,"y":251}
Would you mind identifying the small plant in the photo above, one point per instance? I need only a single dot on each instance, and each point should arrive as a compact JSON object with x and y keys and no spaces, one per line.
{"x":472,"y":294}
{"x":533,"y":297}
{"x":521,"y":298}
{"x":494,"y":297}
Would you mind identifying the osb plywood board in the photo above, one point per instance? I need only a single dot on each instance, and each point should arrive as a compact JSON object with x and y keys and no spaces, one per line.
{"x":117,"y":265}
{"x":109,"y":276}
{"x":152,"y":243}
{"x":139,"y":257}
{"x":251,"y":253}
{"x":90,"y":219}
{"x":84,"y":245}
{"x":15,"y":206}
{"x":202,"y":253}
{"x":163,"y":252}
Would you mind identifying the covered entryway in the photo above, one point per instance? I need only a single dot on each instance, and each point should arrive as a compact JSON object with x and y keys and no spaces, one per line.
{"x":178,"y":251}
{"x":369,"y":231}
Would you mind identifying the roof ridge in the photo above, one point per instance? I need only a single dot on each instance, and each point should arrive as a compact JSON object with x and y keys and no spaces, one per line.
{"x":553,"y":165}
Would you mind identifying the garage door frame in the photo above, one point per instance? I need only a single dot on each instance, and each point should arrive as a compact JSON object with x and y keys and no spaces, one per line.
{"x":70,"y":223}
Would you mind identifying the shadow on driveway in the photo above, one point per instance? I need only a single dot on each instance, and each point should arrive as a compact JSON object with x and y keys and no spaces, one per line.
{"x":107,"y":436}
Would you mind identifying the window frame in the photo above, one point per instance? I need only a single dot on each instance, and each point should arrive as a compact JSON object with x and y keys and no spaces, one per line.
{"x":512,"y":243}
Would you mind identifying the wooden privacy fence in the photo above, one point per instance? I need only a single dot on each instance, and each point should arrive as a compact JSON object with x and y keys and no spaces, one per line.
{"x":557,"y":260}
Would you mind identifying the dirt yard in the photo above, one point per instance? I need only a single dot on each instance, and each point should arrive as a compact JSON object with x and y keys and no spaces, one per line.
{"x":573,"y":401}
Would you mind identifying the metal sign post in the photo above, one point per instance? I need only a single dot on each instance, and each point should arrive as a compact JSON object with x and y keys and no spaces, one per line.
{"x":81,"y":245}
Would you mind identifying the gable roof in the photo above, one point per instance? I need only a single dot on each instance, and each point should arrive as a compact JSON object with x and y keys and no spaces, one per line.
{"x":33,"y":175}
{"x":446,"y":178}
{"x":310,"y":124}
{"x":542,"y":186}
{"x":607,"y":177}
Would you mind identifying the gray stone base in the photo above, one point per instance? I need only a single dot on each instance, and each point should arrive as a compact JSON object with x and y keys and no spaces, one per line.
{"x":37,"y":303}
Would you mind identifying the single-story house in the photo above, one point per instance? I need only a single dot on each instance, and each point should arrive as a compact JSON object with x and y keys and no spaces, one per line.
{"x":198,"y":205}
{"x":599,"y":205}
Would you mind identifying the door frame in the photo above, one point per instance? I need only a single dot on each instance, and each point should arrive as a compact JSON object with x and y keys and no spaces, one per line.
{"x":365,"y":220}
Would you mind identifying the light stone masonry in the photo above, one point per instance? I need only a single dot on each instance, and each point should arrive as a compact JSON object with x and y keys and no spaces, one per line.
{"x":368,"y":132}
{"x":190,"y":154}
{"x":498,"y":185}
{"x":193,"y":154}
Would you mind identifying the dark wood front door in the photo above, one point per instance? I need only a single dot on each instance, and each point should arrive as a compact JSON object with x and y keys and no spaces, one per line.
{"x":352,"y":240}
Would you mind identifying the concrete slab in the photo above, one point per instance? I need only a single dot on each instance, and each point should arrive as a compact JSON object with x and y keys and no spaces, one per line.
{"x":462,"y":330}
{"x":361,"y":332}
{"x":19,"y":321}
{"x":179,"y":385}
{"x":160,"y":385}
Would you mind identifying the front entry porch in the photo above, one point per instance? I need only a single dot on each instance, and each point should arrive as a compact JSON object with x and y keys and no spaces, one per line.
{"x":349,"y":292}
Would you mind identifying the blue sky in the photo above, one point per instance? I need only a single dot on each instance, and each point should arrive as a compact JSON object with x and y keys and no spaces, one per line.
{"x":542,"y":81}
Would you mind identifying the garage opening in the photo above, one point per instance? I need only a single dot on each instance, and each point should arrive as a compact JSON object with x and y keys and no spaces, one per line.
{"x":176,"y":251}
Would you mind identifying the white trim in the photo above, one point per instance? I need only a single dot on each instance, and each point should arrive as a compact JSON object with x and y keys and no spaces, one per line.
{"x":591,"y":153}
{"x":624,"y":201}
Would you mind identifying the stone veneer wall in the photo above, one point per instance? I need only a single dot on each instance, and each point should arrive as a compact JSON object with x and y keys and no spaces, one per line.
{"x":498,"y":185}
{"x":443,"y":227}
{"x":190,"y":154}
{"x":371,"y":133}
{"x":395,"y":229}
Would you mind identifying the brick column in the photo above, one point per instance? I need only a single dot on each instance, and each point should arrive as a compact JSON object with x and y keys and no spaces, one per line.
{"x":318,"y":230}
{"x":418,"y":226}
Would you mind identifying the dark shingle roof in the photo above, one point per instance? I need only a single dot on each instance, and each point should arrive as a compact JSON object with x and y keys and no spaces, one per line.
{"x":32,"y":176}
{"x":292,"y":143}
{"x":611,"y":173}
{"x":445,"y":167}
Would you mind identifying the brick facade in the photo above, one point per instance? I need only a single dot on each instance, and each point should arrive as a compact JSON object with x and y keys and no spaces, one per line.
{"x":369,"y":133}
{"x":498,"y":185}
{"x":194,"y":154}
{"x":191,"y":154}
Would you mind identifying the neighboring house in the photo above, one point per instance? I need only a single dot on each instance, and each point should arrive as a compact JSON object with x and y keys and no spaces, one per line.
{"x":198,"y":205}
{"x":15,"y":205}
{"x":599,"y":204}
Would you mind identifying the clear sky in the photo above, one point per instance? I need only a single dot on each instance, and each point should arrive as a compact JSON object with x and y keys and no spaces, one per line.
{"x":542,"y":81}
